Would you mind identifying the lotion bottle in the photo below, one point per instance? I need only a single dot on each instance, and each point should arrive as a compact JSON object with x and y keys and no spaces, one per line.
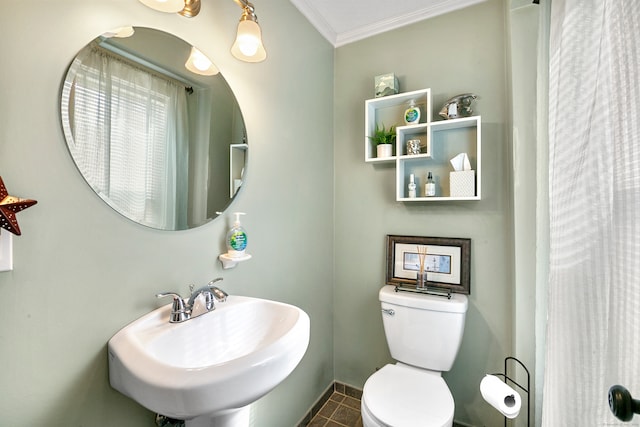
{"x":412,"y":114}
{"x":236,"y":238}
{"x":412,"y":186}
{"x":430,"y":186}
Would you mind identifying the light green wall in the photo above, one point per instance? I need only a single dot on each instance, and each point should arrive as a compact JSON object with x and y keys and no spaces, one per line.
{"x":464,"y":51}
{"x":81,"y":271}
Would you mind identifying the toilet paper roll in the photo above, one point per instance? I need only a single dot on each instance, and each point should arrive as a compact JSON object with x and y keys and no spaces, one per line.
{"x":499,"y":395}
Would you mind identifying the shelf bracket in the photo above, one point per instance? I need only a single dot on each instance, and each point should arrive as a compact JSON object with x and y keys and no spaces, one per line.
{"x":230,"y":262}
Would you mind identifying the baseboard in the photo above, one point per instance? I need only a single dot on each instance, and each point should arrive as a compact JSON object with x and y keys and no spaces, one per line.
{"x":335,"y":387}
{"x":459,"y":424}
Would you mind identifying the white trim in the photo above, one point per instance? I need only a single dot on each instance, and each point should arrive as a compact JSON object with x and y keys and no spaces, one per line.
{"x":324,"y":27}
{"x":6,"y":250}
{"x":316,"y":19}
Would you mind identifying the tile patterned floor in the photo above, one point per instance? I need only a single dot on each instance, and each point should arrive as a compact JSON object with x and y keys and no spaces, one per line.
{"x":339,"y":407}
{"x":339,"y":411}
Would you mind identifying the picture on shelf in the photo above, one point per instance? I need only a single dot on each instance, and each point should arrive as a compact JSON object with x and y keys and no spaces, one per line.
{"x":447,"y":262}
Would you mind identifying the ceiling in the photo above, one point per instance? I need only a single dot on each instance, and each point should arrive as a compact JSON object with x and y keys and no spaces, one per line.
{"x":345,"y":21}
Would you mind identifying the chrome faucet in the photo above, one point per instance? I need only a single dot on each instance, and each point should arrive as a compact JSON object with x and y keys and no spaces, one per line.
{"x":201,"y":301}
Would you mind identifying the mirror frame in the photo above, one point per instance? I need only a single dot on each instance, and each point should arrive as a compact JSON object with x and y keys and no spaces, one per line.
{"x":236,"y":178}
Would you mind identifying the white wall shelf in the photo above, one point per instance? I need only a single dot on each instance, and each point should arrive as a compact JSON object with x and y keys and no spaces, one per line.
{"x":440,"y":142}
{"x":446,"y":139}
{"x":389,"y":111}
{"x":407,"y":133}
{"x":229,"y":261}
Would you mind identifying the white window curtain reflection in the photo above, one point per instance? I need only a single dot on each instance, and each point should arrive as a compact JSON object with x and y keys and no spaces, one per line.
{"x":130,"y":132}
{"x":593,"y":336}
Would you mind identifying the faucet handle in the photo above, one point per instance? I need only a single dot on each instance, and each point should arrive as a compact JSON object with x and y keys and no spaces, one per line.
{"x":169,"y":294}
{"x":178,"y":312}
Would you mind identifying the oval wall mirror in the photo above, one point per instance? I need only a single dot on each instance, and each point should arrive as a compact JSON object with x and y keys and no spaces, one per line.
{"x":154,"y":128}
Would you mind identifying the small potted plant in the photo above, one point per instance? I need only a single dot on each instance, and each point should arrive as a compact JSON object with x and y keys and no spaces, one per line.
{"x":384,"y":139}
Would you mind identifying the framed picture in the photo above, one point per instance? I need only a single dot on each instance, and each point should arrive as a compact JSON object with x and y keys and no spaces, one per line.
{"x":447,"y":262}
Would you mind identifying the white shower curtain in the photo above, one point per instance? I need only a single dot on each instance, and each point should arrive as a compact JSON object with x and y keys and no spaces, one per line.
{"x":593,"y":328}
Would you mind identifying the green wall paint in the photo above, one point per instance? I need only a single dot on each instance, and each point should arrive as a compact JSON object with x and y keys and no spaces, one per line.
{"x":81,"y":271}
{"x":455,"y":53}
{"x":317,"y":213}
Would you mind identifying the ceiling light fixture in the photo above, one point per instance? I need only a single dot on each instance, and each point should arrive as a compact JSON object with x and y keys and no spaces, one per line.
{"x":120,"y":32}
{"x":248,"y":45}
{"x":169,"y":6}
{"x":199,"y":63}
{"x":187,"y":8}
{"x":191,"y":8}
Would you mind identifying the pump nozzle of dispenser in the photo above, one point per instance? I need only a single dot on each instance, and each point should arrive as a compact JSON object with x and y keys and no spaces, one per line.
{"x":237,"y":214}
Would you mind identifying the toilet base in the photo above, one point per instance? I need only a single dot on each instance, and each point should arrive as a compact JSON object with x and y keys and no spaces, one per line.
{"x":404,"y":396}
{"x":367,"y":418}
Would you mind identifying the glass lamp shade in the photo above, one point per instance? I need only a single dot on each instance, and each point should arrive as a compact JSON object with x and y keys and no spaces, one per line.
{"x":248,"y":46}
{"x":120,"y":32}
{"x":169,"y":6}
{"x":199,"y":63}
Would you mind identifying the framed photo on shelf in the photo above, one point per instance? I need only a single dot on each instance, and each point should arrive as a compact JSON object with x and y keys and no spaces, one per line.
{"x":447,"y":262}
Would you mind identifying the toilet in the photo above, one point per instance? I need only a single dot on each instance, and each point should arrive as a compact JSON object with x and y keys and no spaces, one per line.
{"x":424,"y":333}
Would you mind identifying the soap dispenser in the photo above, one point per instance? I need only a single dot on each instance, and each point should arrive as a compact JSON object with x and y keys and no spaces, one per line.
{"x":236,"y":238}
{"x":412,"y":114}
{"x":236,"y":242}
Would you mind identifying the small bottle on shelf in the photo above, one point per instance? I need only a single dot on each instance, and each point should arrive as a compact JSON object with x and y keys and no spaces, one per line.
{"x":412,"y":187}
{"x":430,"y":186}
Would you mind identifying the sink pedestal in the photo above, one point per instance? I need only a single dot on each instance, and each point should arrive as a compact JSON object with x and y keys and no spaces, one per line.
{"x":228,"y":418}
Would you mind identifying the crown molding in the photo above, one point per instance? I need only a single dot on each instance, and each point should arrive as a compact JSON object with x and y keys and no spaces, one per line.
{"x":324,"y":27}
{"x":316,"y":19}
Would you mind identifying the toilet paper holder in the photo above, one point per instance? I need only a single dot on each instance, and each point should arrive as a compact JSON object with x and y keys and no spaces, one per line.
{"x":508,"y":379}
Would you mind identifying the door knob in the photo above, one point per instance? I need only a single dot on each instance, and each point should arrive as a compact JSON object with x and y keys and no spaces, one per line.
{"x":622,"y":404}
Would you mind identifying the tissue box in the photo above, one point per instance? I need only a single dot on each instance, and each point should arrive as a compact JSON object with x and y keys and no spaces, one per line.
{"x":386,"y":84}
{"x":462,"y":183}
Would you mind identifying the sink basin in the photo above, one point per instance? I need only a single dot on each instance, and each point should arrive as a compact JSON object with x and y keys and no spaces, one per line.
{"x":208,"y":367}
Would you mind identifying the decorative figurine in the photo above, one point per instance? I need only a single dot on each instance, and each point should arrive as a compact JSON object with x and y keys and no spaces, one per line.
{"x":9,"y":206}
{"x":458,"y":106}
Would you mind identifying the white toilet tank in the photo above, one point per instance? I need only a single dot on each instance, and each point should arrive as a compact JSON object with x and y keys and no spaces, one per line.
{"x":423,"y":330}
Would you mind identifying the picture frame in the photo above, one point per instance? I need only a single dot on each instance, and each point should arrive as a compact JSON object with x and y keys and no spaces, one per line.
{"x":447,"y":262}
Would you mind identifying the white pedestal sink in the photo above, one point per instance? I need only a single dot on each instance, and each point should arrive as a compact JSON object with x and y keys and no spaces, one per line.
{"x":207,"y":370}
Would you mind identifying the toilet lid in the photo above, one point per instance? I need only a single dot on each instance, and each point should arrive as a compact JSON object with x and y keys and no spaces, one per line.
{"x":402,"y":396}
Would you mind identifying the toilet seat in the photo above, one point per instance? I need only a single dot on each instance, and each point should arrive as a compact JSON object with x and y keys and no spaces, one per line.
{"x":402,"y":396}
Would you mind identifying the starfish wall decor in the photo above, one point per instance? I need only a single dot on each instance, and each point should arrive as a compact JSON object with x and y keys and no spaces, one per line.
{"x":9,"y":207}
